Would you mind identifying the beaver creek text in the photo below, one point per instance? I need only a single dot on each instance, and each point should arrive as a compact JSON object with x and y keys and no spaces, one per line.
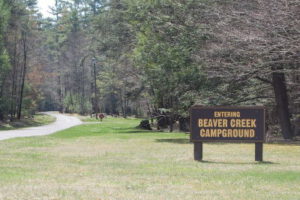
{"x":222,"y":123}
{"x":232,"y":128}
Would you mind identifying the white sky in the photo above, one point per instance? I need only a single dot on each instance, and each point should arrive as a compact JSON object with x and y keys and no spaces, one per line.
{"x":44,"y":7}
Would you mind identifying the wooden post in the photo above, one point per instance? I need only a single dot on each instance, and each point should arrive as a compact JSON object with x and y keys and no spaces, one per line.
{"x":259,"y":151}
{"x":198,"y":151}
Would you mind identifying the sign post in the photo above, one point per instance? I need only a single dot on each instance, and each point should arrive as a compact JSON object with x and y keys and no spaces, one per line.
{"x":259,"y":151}
{"x":227,"y":124}
{"x":198,"y":151}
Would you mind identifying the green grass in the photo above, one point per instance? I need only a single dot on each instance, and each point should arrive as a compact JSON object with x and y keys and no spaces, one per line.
{"x":88,"y":118}
{"x":112,"y":160}
{"x":36,"y":120}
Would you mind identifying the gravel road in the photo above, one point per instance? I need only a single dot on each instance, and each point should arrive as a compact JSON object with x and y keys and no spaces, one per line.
{"x":62,"y":122}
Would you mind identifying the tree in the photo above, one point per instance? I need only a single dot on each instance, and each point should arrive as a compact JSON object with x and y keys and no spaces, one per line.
{"x":21,"y":23}
{"x":253,"y":46}
{"x":4,"y":58}
{"x":164,"y":52}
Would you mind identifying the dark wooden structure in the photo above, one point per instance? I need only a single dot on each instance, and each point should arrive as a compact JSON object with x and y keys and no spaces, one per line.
{"x":227,"y":124}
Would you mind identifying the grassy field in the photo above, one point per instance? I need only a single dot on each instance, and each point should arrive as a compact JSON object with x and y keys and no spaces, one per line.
{"x":37,"y":120}
{"x":112,"y":160}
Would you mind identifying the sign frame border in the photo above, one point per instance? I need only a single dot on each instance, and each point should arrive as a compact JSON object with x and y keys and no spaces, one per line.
{"x":229,"y":141}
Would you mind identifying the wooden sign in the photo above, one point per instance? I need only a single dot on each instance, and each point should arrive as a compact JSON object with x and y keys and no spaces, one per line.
{"x":227,"y":124}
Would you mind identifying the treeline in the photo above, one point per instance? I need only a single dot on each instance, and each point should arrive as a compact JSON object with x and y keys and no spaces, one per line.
{"x":18,"y":25}
{"x":152,"y":58}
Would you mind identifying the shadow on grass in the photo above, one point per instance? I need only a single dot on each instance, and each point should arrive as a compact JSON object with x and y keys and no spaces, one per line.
{"x":187,"y":141}
{"x":266,"y":163}
{"x":176,"y":141}
{"x":134,"y":130}
{"x":297,"y":143}
{"x":86,"y":131}
{"x":238,"y":163}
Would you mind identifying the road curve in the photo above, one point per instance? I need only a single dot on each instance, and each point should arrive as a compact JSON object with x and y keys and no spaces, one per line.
{"x":62,"y":122}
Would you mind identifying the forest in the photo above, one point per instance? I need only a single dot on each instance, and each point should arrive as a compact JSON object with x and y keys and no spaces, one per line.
{"x":151,"y":58}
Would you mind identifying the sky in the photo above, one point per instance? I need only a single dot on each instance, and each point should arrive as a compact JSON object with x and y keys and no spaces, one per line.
{"x":44,"y":6}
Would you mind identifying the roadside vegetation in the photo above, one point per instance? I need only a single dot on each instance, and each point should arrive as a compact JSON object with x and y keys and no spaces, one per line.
{"x":113,"y":160}
{"x":35,"y":120}
{"x":152,"y":59}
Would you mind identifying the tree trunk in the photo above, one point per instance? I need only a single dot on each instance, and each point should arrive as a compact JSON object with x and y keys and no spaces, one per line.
{"x":124,"y":104}
{"x":59,"y":91}
{"x":281,"y":98}
{"x":82,"y":99}
{"x":171,"y":122}
{"x":96,"y":106}
{"x":14,"y":80}
{"x":1,"y":112}
{"x":23,"y":75}
{"x":184,"y":124}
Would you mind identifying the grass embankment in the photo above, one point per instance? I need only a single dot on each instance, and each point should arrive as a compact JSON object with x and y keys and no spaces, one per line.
{"x":36,"y":120}
{"x":112,"y":160}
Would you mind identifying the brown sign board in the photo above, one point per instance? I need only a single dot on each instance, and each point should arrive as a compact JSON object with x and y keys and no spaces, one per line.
{"x":227,"y":124}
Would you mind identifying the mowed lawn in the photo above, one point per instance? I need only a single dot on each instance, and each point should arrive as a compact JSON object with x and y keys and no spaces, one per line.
{"x":113,"y":160}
